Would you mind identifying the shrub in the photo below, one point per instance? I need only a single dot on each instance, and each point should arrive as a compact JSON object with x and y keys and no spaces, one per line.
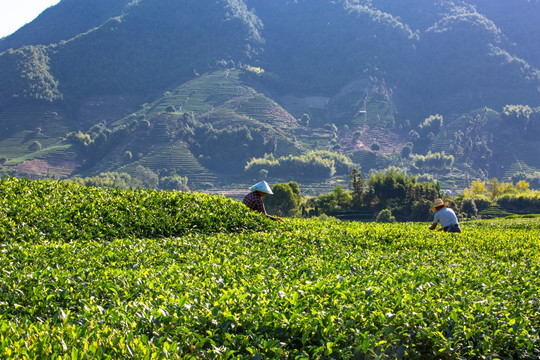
{"x":420,"y":210}
{"x":522,"y":202}
{"x":174,"y":182}
{"x":35,"y":146}
{"x":128,"y":156}
{"x":482,"y":202}
{"x":385,"y":216}
{"x":469,"y":207}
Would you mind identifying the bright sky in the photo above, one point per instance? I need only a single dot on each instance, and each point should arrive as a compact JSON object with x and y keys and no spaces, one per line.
{"x":16,"y":13}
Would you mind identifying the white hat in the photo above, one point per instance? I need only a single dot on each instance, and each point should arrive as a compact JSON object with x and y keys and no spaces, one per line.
{"x":263,"y":187}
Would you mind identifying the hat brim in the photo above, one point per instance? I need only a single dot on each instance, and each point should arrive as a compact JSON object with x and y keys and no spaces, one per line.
{"x":435,"y":207}
{"x":269,"y":192}
{"x":262,"y":187}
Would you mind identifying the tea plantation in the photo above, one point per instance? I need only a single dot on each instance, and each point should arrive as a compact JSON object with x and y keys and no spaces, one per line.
{"x":87,"y":273}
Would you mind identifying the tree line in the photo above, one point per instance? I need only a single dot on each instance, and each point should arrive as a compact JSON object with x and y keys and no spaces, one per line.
{"x":391,"y":189}
{"x":391,"y":195}
{"x":318,"y":165}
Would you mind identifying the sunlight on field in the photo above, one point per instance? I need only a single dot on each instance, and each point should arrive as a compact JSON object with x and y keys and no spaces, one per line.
{"x":89,"y":273}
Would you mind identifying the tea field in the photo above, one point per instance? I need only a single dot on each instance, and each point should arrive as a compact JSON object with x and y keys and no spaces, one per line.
{"x":87,"y":273}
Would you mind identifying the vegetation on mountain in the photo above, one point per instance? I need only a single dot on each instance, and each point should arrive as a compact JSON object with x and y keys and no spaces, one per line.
{"x":201,"y":89}
{"x":27,"y":76}
{"x":316,"y":165}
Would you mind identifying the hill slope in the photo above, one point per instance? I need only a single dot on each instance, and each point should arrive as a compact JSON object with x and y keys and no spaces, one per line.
{"x":365,"y":73}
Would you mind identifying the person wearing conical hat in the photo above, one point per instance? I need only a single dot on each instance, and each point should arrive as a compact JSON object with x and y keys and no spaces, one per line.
{"x":253,"y":200}
{"x":445,"y":216}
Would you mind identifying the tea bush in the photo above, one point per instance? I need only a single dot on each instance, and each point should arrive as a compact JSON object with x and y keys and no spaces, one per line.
{"x":239,"y":286}
{"x":40,"y":210}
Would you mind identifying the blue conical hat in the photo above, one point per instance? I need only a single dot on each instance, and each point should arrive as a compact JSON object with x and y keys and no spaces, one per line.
{"x":262,"y":186}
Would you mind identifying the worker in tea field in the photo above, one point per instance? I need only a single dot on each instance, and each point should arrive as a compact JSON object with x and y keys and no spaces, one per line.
{"x":445,"y":216}
{"x":253,"y":200}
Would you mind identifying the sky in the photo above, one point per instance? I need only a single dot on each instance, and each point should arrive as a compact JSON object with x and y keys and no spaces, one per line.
{"x":16,"y":13}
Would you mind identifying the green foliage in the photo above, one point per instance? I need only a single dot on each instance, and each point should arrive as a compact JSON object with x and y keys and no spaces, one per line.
{"x":111,"y":180}
{"x":528,"y":202}
{"x":149,"y":178}
{"x":100,"y":140}
{"x":430,"y":161}
{"x":174,"y":182}
{"x":35,"y":146}
{"x":524,"y":118}
{"x":116,"y":180}
{"x":190,"y":56}
{"x":517,"y":115}
{"x":305,"y":120}
{"x":229,"y":284}
{"x":393,"y":189}
{"x":26,"y":75}
{"x":337,"y":200}
{"x":389,"y":185}
{"x":385,"y":216}
{"x":229,"y":148}
{"x":358,"y":185}
{"x":431,"y":124}
{"x":285,"y":201}
{"x":314,"y":165}
{"x":344,"y":28}
{"x":427,"y":131}
{"x":420,"y":210}
{"x":166,"y":47}
{"x":532,"y":178}
{"x":35,"y":211}
{"x":468,"y":206}
{"x":407,"y":150}
{"x":481,"y":202}
{"x":375,"y":146}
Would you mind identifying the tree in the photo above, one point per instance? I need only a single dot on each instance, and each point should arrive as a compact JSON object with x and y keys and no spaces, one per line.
{"x":358,"y":185}
{"x":390,"y":185}
{"x":35,"y":146}
{"x":517,"y":115}
{"x":147,"y":176}
{"x":407,"y":150}
{"x":286,"y":200}
{"x":521,"y":186}
{"x":385,"y":216}
{"x":431,"y":124}
{"x":305,"y":120}
{"x":343,"y":198}
{"x":477,"y":188}
{"x":174,"y":182}
{"x":420,"y":210}
{"x":128,"y":156}
{"x":469,"y":207}
{"x":414,"y":136}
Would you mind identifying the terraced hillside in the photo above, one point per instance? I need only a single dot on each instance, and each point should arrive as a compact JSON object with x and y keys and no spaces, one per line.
{"x":32,"y":142}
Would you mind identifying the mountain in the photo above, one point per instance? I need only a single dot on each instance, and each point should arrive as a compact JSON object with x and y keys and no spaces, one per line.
{"x":200,"y":88}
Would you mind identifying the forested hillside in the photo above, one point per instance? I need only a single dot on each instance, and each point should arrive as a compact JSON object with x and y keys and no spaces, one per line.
{"x":198,"y":89}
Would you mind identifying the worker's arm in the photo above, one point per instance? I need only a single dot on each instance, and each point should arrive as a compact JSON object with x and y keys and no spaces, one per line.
{"x":433,"y":226}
